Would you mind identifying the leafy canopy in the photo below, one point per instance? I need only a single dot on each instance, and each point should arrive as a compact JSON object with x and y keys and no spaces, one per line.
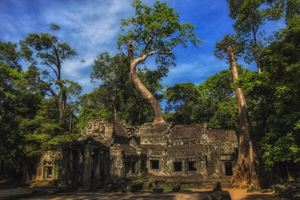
{"x":156,"y":30}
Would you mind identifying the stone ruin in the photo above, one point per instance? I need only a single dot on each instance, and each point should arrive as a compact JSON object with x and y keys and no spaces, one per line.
{"x":108,"y":152}
{"x":48,"y":166}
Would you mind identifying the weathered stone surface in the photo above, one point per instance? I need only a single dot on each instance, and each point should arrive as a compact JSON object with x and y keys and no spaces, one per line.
{"x":166,"y":151}
{"x":48,"y":167}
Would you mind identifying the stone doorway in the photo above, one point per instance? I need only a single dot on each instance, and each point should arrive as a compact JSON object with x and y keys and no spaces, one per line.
{"x":48,"y":171}
{"x":228,"y":168}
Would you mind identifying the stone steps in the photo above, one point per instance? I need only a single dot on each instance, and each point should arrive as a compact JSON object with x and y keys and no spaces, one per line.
{"x":205,"y":183}
{"x":225,"y":182}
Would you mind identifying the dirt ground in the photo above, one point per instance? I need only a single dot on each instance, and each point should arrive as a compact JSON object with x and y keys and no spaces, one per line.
{"x":242,"y":194}
{"x":235,"y":194}
{"x":123,"y":196}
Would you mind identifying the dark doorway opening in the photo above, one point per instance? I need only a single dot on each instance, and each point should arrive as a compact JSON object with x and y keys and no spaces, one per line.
{"x":154,"y":164}
{"x":48,"y":171}
{"x":177,"y":166}
{"x":133,"y":167}
{"x":143,"y":165}
{"x":228,"y":168}
{"x":127,"y":166}
{"x":192,"y":166}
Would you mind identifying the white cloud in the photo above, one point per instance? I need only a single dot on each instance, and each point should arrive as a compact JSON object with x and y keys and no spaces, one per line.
{"x":90,"y":26}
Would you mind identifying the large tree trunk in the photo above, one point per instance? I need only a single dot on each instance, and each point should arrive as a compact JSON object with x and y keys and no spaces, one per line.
{"x":62,"y":97}
{"x":158,"y":117}
{"x":245,"y":173}
{"x":255,"y":51}
{"x":62,"y":107}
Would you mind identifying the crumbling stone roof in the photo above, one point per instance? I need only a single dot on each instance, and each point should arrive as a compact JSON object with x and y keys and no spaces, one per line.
{"x":178,"y":138}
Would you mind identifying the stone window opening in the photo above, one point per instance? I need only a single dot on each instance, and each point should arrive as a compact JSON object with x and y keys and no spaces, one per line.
{"x":192,"y":166}
{"x":177,"y":166}
{"x":154,"y":164}
{"x":228,"y":168}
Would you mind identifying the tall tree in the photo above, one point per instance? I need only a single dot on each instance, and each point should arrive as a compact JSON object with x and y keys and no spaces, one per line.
{"x":274,"y":105}
{"x":110,"y":71}
{"x":47,"y":50}
{"x":153,"y":31}
{"x":246,"y":170}
{"x":19,"y":101}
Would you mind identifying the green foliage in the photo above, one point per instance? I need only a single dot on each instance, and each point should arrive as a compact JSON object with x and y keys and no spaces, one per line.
{"x":237,"y":44}
{"x":48,"y":51}
{"x":95,"y":104}
{"x":212,"y":101}
{"x":225,"y":116}
{"x":250,"y":16}
{"x":9,"y":54}
{"x":117,"y":93}
{"x":181,"y":98}
{"x":19,"y":102}
{"x":273,"y":98}
{"x":28,"y":98}
{"x":156,"y":30}
{"x":292,"y":9}
{"x":54,"y":27}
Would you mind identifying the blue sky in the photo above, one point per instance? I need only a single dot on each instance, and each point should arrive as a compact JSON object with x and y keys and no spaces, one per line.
{"x":92,"y":26}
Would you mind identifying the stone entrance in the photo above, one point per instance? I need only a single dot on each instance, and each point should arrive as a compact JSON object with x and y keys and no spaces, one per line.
{"x":48,"y":167}
{"x":85,"y":164}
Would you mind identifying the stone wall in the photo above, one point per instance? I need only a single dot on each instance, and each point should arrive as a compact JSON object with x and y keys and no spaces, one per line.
{"x":110,"y":152}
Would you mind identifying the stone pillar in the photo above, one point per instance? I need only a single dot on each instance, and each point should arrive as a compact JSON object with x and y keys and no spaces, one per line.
{"x":184,"y":166}
{"x":75,"y":169}
{"x":87,"y":166}
{"x":138,"y":166}
{"x":97,"y":167}
{"x":65,"y":166}
{"x":106,"y":164}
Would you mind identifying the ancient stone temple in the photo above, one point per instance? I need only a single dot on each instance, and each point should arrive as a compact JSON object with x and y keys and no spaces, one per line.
{"x":107,"y":152}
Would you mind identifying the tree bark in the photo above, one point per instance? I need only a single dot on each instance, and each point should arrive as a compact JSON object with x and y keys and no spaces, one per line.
{"x":254,"y":51}
{"x":245,"y":173}
{"x":62,"y":97}
{"x":158,"y":117}
{"x":62,"y":106}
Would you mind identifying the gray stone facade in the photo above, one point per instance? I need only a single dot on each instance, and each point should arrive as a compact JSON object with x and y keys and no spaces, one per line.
{"x":108,"y":152}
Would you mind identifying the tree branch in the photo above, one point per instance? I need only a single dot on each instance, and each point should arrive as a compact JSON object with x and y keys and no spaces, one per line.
{"x":58,"y":62}
{"x":51,"y":68}
{"x":49,"y":88}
